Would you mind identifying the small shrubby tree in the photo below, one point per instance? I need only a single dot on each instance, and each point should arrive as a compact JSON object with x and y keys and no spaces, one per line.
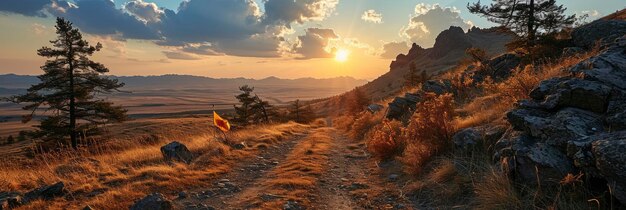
{"x":10,"y":139}
{"x":253,"y":109}
{"x":529,"y":19}
{"x":69,"y":87}
{"x":301,"y":113}
{"x":245,"y":111}
{"x":412,"y":78}
{"x":357,"y":101}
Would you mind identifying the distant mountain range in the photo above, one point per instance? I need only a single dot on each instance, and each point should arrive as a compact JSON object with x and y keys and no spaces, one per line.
{"x":11,"y":83}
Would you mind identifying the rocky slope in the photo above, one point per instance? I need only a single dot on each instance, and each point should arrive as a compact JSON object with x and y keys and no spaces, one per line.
{"x":449,"y":49}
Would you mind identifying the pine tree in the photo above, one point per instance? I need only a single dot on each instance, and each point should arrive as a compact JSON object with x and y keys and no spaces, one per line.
{"x":412,"y":78}
{"x":263,"y":111}
{"x":69,"y":87}
{"x":358,"y":100}
{"x":245,"y":110}
{"x":527,"y":18}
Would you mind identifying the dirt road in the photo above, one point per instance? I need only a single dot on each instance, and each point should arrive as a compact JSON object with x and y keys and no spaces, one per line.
{"x":319,"y":170}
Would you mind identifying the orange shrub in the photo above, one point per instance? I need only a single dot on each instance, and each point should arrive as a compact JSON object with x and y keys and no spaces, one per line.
{"x":362,"y":124}
{"x":386,"y":139}
{"x":429,"y":131}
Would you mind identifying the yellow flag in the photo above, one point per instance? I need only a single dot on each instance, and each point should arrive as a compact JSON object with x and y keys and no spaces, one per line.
{"x":220,"y":122}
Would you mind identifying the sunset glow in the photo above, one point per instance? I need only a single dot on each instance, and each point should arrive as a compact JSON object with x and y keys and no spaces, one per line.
{"x":342,"y":55}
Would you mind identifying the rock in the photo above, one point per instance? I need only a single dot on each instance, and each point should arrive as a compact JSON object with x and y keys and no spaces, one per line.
{"x":572,"y":51}
{"x":583,"y":94}
{"x":373,"y":108}
{"x":393,"y":177}
{"x":400,"y":109}
{"x":176,"y":151}
{"x":502,"y":66}
{"x":182,"y":195}
{"x":608,"y":68}
{"x":402,"y":60}
{"x":293,"y":205}
{"x":448,"y":40}
{"x":155,"y":201}
{"x":239,"y":146}
{"x":545,"y":88}
{"x":45,"y":192}
{"x":438,"y":87}
{"x":10,"y":200}
{"x":88,"y":207}
{"x":610,"y":162}
{"x":605,"y":31}
{"x":466,"y":138}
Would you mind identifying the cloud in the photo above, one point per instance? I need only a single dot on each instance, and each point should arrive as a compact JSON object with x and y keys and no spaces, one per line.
{"x":314,"y":43}
{"x":31,"y":8}
{"x":145,"y":11}
{"x":100,"y":17}
{"x":208,"y":21}
{"x":429,"y":20}
{"x":180,"y":55}
{"x":289,"y":11}
{"x":39,"y":29}
{"x":200,"y":49}
{"x":591,"y":13}
{"x":372,"y":16}
{"x":392,"y":49}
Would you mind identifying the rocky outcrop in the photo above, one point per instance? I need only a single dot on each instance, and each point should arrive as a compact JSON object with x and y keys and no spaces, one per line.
{"x":448,"y":40}
{"x":469,"y":138}
{"x":401,"y":108}
{"x":403,"y":60}
{"x":176,"y":151}
{"x":374,"y":108}
{"x":155,"y":201}
{"x":10,"y":200}
{"x":572,"y":124}
{"x":599,"y":31}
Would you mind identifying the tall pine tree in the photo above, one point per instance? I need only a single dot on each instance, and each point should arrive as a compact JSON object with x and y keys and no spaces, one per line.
{"x":68,"y":88}
{"x":245,"y":111}
{"x":527,"y":18}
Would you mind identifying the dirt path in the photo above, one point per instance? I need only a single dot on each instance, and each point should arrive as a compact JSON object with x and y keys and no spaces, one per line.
{"x":321,"y":170}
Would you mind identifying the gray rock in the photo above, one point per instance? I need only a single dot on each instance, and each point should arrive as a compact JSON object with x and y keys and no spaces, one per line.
{"x":572,"y":51}
{"x":466,"y":138}
{"x":239,"y":146}
{"x":182,"y":195}
{"x":293,"y":205}
{"x":393,"y":177}
{"x":583,"y":94}
{"x":502,"y":66}
{"x":10,"y":200}
{"x":611,"y":162}
{"x":604,"y":31}
{"x":155,"y":201}
{"x":176,"y":151}
{"x":437,"y":86}
{"x":545,"y":88}
{"x":608,"y":68}
{"x":45,"y":192}
{"x":374,"y":108}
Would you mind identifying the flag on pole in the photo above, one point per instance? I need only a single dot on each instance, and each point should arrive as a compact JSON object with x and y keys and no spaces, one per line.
{"x":220,"y":122}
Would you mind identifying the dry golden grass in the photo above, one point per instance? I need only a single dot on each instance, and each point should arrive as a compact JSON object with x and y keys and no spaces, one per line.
{"x":113,"y":179}
{"x":495,"y":191}
{"x":386,"y":140}
{"x":363,"y":124}
{"x":296,"y":177}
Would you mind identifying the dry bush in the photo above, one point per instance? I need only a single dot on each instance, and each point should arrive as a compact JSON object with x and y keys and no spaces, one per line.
{"x":343,"y":122}
{"x":362,"y":125}
{"x":429,"y":131}
{"x":496,"y":191}
{"x":386,"y":139}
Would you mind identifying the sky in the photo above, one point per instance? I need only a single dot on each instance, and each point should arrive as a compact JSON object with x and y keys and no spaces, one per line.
{"x":243,"y":38}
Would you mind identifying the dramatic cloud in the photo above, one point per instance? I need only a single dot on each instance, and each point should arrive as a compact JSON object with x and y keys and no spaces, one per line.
{"x":429,"y":21}
{"x":100,"y":17}
{"x":39,"y":29}
{"x":208,"y":21}
{"x":591,"y":13}
{"x":180,"y":55}
{"x":29,"y":8}
{"x":148,"y":12}
{"x":392,"y":49}
{"x":314,"y":43}
{"x":289,"y":11}
{"x":372,"y":16}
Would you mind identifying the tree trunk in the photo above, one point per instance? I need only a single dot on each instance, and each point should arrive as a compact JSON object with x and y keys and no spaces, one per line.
{"x":531,"y":23}
{"x":70,"y":58}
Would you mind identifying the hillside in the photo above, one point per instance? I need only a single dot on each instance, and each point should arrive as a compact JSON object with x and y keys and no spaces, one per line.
{"x":448,"y":51}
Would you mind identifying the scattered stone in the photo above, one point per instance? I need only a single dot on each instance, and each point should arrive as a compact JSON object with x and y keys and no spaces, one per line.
{"x":10,"y":200}
{"x":393,"y":177}
{"x":373,"y":108}
{"x":293,"y":205}
{"x":269,"y":197}
{"x":182,"y":195}
{"x":239,"y":146}
{"x":176,"y":151}
{"x":155,"y":201}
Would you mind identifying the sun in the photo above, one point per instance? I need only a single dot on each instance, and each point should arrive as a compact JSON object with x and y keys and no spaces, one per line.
{"x":342,"y":55}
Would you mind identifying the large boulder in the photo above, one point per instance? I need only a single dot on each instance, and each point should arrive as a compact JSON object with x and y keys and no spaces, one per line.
{"x":176,"y":151}
{"x":502,"y":66}
{"x":603,"y":31}
{"x":401,"y":108}
{"x":572,"y":124}
{"x":154,"y":201}
{"x":469,"y":138}
{"x":438,"y":87}
{"x":609,"y":154}
{"x":46,"y":192}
